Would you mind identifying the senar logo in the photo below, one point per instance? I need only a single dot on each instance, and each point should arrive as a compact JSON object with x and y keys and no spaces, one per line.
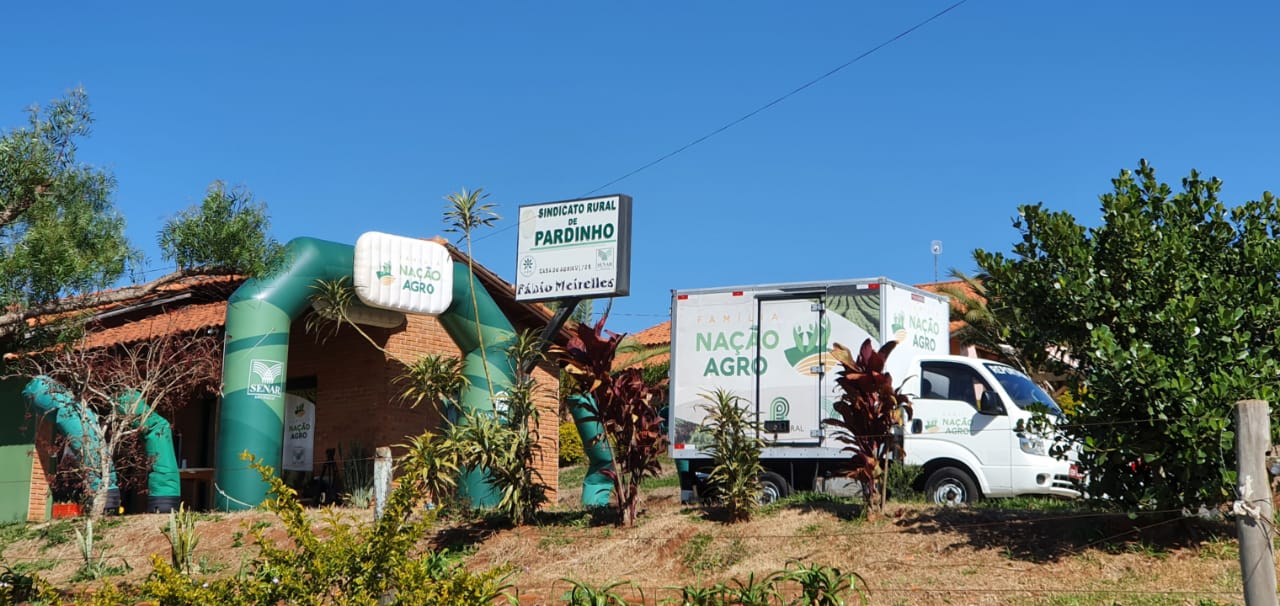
{"x":268,"y":386}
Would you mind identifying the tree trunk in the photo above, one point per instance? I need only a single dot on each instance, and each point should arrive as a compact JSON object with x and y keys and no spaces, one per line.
{"x":103,"y":491}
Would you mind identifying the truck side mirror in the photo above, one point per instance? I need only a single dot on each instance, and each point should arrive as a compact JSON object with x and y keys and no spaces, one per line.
{"x":989,"y":404}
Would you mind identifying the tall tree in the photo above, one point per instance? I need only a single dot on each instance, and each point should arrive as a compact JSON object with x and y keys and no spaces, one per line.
{"x":60,"y":234}
{"x":1169,"y":311}
{"x":62,"y":241}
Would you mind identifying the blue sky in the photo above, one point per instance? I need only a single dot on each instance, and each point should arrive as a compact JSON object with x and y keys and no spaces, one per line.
{"x":347,"y":118}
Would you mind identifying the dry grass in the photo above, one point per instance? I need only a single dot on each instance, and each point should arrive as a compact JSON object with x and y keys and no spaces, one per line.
{"x":915,"y":555}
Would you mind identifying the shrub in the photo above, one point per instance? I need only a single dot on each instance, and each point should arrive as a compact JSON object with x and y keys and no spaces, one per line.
{"x":626,"y":408}
{"x":869,"y":417}
{"x":571,"y":451}
{"x":183,"y":539}
{"x":18,"y":587}
{"x":345,"y":563}
{"x":903,"y":481}
{"x":735,"y":453}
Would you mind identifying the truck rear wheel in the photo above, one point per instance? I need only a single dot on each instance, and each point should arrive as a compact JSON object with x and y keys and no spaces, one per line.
{"x":949,"y":487}
{"x":773,"y":487}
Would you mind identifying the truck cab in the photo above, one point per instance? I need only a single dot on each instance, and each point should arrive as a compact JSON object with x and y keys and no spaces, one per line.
{"x":966,"y":432}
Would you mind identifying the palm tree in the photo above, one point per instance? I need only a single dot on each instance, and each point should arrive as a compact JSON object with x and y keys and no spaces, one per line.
{"x":465,"y":212}
{"x":987,"y":323}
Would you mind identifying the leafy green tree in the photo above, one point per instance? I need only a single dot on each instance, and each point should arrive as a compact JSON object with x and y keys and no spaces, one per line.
{"x":62,"y":241}
{"x":1168,"y":313}
{"x":60,"y":234}
{"x":227,"y":233}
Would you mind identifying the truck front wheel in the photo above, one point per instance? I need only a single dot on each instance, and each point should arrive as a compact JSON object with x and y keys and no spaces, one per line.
{"x":773,"y":487}
{"x":949,"y":487}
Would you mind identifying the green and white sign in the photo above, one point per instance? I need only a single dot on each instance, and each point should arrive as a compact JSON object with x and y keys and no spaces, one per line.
{"x":299,"y":434}
{"x":403,"y":274}
{"x":574,"y":248}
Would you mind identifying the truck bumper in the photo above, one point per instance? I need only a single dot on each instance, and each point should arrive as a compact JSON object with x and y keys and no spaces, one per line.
{"x":1058,"y":480}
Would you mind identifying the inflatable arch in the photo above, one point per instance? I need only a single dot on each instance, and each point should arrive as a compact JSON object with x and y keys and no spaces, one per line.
{"x":256,"y":356}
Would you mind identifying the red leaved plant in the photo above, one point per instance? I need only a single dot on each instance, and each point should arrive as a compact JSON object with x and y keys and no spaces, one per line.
{"x":871,"y":413}
{"x":627,"y":409}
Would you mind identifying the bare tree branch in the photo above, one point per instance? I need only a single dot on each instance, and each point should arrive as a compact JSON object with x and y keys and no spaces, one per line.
{"x":124,"y":386}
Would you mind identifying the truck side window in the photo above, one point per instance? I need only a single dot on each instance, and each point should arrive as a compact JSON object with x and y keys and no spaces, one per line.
{"x":950,"y":381}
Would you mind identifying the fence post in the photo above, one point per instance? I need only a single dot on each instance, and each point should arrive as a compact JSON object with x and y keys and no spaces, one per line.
{"x":381,"y":479}
{"x":1254,"y":515}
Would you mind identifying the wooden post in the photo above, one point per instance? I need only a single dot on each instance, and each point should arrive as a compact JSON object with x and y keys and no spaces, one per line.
{"x":1254,"y":515}
{"x":381,"y":479}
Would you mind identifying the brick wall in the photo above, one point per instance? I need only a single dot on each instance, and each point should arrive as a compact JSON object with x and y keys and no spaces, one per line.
{"x":39,"y":495}
{"x":358,"y":400}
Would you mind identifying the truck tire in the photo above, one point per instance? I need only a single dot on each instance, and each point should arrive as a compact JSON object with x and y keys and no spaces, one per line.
{"x":773,"y":487}
{"x":950,"y":486}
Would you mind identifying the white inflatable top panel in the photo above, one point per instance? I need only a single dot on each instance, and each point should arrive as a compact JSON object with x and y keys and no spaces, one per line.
{"x":405,"y":274}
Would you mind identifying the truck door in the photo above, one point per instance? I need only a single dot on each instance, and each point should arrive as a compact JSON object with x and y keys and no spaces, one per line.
{"x":948,"y":411}
{"x":794,"y":343}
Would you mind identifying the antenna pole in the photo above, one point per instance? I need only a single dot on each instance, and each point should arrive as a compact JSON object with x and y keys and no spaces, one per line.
{"x":936,"y":248}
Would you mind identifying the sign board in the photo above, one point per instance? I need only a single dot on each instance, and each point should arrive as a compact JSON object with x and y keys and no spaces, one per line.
{"x":405,"y":274}
{"x":574,"y":248}
{"x":299,"y":434}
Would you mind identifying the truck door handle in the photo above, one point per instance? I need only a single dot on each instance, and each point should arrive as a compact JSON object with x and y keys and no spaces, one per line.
{"x":917,"y":426}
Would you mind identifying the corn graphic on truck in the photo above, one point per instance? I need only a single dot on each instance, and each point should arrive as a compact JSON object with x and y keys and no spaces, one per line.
{"x":770,"y":345}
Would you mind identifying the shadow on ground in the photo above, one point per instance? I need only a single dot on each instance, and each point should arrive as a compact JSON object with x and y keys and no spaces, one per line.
{"x":1049,"y":536}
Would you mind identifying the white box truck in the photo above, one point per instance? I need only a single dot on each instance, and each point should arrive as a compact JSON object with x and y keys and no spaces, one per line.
{"x":770,"y":345}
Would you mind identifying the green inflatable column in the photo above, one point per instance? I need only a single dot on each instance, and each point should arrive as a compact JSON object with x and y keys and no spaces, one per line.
{"x":596,"y":486}
{"x":79,"y":425}
{"x":255,"y":364}
{"x":164,"y":487}
{"x":496,"y":335}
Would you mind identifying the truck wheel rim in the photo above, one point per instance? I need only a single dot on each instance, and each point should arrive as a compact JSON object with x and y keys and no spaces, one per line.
{"x":949,"y":493}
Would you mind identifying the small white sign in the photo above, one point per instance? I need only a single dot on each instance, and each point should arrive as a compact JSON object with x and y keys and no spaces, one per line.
{"x":299,"y":434}
{"x":266,"y":379}
{"x":574,"y":248}
{"x":405,"y":274}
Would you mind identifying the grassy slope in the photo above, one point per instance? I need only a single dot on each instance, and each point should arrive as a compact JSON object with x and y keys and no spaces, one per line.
{"x":1021,"y":552}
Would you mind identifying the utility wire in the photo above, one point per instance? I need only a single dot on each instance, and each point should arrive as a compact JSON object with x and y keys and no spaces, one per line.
{"x":778,"y":100}
{"x":754,"y":112}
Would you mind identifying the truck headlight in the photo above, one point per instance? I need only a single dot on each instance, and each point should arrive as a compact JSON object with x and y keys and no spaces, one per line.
{"x":1032,"y":445}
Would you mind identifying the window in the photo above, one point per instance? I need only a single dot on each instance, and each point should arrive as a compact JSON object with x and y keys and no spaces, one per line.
{"x":950,"y":381}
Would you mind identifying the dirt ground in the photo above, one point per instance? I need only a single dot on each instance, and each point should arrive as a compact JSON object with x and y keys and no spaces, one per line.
{"x":914,"y":555}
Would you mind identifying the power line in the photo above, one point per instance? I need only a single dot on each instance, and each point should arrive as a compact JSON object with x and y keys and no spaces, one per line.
{"x":904,"y":33}
{"x":752,"y":113}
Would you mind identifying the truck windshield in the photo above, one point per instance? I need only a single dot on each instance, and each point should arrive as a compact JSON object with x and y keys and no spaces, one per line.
{"x":1022,"y":390}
